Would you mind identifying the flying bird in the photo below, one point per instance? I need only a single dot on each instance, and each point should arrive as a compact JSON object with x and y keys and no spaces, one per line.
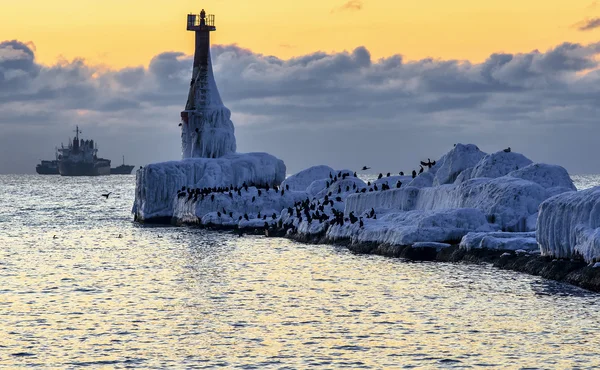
{"x":106,"y":195}
{"x":365,"y":168}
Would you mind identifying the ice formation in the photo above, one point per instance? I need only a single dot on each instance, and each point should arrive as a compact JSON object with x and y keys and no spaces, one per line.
{"x":157,"y":184}
{"x":303,"y":179}
{"x":568,"y":225}
{"x":500,"y":241}
{"x":206,"y":127}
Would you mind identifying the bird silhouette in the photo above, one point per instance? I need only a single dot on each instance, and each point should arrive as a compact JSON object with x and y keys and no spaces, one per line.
{"x":507,"y":150}
{"x":365,"y":168}
{"x":428,"y":164}
{"x":106,"y":195}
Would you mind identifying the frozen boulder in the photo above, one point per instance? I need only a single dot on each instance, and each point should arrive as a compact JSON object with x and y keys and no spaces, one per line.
{"x":424,"y":180}
{"x":569,"y":225}
{"x":301,"y":180}
{"x":500,"y":241}
{"x":499,"y":164}
{"x":408,"y":228}
{"x":461,"y":157}
{"x":555,"y":179}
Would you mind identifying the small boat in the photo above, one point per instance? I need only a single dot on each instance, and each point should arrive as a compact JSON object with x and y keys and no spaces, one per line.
{"x":123,"y":169}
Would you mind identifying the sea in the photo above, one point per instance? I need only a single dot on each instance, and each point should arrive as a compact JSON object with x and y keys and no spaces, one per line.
{"x":82,"y":285}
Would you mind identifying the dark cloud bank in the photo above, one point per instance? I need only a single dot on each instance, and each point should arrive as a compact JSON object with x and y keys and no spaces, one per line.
{"x":344,"y":109}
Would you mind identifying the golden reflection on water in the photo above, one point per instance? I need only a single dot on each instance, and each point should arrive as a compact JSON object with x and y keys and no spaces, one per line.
{"x":179,"y":297}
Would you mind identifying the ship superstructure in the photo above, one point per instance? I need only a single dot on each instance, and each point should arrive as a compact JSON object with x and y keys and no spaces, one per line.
{"x":80,"y":158}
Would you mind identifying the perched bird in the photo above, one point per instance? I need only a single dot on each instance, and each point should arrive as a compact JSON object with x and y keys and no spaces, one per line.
{"x":414,"y":174}
{"x":179,"y":124}
{"x":380,"y":176}
{"x":106,"y":195}
{"x":421,"y":170}
{"x":365,"y":168}
{"x":428,"y":164}
{"x":54,"y":237}
{"x":507,"y":150}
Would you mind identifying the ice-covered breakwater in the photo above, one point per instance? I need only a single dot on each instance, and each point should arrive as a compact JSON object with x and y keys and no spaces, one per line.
{"x":568,"y":225}
{"x":469,"y":203}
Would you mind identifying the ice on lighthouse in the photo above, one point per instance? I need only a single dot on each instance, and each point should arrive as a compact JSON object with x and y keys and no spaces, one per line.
{"x":208,"y":145}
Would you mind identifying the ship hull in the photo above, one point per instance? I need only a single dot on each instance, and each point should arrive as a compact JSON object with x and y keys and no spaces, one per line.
{"x":47,"y":170}
{"x":121,"y":170}
{"x":83,"y":169}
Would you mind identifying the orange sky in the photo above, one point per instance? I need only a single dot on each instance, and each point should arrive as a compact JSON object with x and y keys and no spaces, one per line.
{"x":129,"y":32}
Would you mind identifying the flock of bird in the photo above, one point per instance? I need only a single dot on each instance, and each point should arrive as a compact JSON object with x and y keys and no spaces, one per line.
{"x":320,"y":210}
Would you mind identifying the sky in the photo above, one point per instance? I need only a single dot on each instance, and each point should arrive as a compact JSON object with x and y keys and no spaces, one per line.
{"x":344,"y":83}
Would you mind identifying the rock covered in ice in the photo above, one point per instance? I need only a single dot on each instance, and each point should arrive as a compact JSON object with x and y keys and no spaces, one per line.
{"x":555,"y":179}
{"x":301,"y":180}
{"x":252,"y":202}
{"x":408,"y":228}
{"x":505,"y":186}
{"x":499,"y":164}
{"x":157,"y":184}
{"x":507,"y":202}
{"x":391,"y":181}
{"x":461,"y":157}
{"x":568,"y":225}
{"x":343,"y":187}
{"x":437,"y":246}
{"x":424,"y":180}
{"x":500,"y":241}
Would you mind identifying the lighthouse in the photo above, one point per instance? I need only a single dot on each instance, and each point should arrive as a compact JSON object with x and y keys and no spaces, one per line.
{"x":206,"y":127}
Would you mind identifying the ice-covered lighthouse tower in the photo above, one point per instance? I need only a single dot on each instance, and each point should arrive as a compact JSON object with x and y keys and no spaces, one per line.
{"x":206,"y":127}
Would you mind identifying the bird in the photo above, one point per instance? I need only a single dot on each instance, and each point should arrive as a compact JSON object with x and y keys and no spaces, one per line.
{"x":414,"y":174}
{"x":421,"y":170}
{"x":365,"y":168}
{"x":54,"y":237}
{"x":106,"y":195}
{"x":179,"y":124}
{"x":507,"y":150}
{"x":428,"y":164}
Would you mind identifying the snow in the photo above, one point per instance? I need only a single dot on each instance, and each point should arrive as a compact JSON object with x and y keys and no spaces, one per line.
{"x":157,"y":184}
{"x":499,"y":241}
{"x":302,"y":180}
{"x":569,"y":225}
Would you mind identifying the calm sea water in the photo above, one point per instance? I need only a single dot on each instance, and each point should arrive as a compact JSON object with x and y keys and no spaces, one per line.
{"x":80,"y":284}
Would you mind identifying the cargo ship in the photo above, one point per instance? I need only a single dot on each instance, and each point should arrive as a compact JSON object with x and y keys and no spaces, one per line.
{"x":80,"y":158}
{"x":123,"y":169}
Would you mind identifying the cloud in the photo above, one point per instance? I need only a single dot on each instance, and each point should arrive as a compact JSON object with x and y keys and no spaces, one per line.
{"x":352,"y":5}
{"x":343,"y":109}
{"x":588,"y":24}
